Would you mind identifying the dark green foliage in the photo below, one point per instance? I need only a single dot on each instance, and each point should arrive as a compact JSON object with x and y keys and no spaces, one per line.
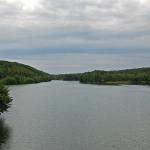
{"x":9,"y":81}
{"x":133,"y":76}
{"x":5,"y":99}
{"x":139,"y":76}
{"x":67,"y":77}
{"x":12,"y":73}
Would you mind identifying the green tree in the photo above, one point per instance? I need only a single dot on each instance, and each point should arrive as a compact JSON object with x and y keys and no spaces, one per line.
{"x":5,"y":99}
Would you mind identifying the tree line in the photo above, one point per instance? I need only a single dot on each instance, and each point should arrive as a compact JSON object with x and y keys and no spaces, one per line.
{"x":140,"y":76}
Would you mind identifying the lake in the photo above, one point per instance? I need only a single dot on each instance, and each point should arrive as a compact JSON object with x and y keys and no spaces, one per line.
{"x":63,"y":115}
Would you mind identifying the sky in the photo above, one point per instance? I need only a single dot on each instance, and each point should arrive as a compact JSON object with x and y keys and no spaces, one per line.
{"x":60,"y":36}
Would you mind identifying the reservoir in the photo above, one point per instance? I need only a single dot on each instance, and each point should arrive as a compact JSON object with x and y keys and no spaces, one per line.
{"x":65,"y":115}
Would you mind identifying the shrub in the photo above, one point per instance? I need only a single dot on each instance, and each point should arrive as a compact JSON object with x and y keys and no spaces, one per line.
{"x":5,"y":99}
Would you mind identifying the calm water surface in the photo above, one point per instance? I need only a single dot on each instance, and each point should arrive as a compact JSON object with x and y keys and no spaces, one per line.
{"x":71,"y":116}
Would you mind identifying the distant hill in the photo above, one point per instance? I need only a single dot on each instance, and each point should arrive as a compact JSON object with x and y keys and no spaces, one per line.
{"x":140,"y":76}
{"x":15,"y":73}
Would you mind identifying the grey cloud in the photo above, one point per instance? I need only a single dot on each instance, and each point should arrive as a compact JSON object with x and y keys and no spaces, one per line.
{"x":66,"y":24}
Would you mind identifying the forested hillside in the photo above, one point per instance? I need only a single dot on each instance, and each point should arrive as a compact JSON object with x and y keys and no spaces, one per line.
{"x":12,"y":73}
{"x":15,"y":73}
{"x":139,"y":76}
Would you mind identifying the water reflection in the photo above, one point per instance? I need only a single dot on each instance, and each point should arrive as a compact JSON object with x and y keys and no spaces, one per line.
{"x":5,"y":133}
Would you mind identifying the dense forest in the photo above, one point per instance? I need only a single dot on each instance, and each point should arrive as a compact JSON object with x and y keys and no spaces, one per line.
{"x":140,"y":76}
{"x":15,"y":73}
{"x":67,"y":77}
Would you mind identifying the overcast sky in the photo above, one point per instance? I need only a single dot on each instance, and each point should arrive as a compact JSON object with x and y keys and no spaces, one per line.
{"x":47,"y":32}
